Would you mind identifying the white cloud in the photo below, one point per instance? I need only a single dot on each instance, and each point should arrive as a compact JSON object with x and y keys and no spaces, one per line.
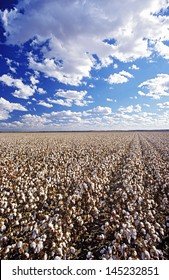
{"x":164,"y":105}
{"x":130,"y":109}
{"x":155,"y":88}
{"x":141,"y":93}
{"x":137,"y":108}
{"x":8,"y":16}
{"x":100,"y":110}
{"x":22,"y":90}
{"x":134,"y":67}
{"x":106,"y":61}
{"x":68,"y":120}
{"x":6,"y":107}
{"x":68,"y":116}
{"x":162,"y":49}
{"x":133,"y":97}
{"x":45,"y":104}
{"x":134,"y":118}
{"x":146,"y":105}
{"x":91,"y":85}
{"x":12,"y":69}
{"x":66,"y":102}
{"x":77,"y":30}
{"x":89,"y":97}
{"x":119,"y":78}
{"x":71,"y":94}
{"x":34,"y":80}
{"x":41,"y":91}
{"x":4,"y":115}
{"x":9,"y":63}
{"x":126,"y":74}
{"x":71,"y":97}
{"x":66,"y":75}
{"x":115,"y":66}
{"x":33,"y":121}
{"x":63,"y":116}
{"x":111,"y":100}
{"x":83,"y":102}
{"x":5,"y":104}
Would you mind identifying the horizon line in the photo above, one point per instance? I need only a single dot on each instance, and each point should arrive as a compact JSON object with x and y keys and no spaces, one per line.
{"x":58,"y":131}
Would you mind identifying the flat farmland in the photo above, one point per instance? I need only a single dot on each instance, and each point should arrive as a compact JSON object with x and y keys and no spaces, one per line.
{"x":85,"y":195}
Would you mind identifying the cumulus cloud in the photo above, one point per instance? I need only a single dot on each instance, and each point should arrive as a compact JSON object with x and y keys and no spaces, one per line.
{"x":69,"y":120}
{"x":155,"y":88}
{"x":63,"y":116}
{"x":34,"y":80}
{"x":119,"y":78}
{"x":71,"y":94}
{"x":134,"y":67}
{"x":33,"y":121}
{"x":22,"y":90}
{"x":162,"y":49}
{"x":69,"y":116}
{"x":130,"y":109}
{"x":67,"y":102}
{"x":45,"y":104}
{"x":115,"y":66}
{"x":77,"y":30}
{"x":40,"y":90}
{"x":100,"y":110}
{"x":139,"y":120}
{"x":64,"y":119}
{"x":67,"y":76}
{"x":164,"y":105}
{"x":6,"y":107}
{"x":70,"y":97}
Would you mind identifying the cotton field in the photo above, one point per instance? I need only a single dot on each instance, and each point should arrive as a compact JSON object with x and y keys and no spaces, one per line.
{"x":95,"y":195}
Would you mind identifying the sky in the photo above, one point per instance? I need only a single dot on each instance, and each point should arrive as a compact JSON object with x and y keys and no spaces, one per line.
{"x":84,"y":65}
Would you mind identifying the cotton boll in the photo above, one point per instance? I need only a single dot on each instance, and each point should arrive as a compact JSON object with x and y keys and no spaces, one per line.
{"x":73,"y":250}
{"x":57,"y":258}
{"x":33,"y":244}
{"x":2,"y":228}
{"x":39,"y":246}
{"x":20,"y":244}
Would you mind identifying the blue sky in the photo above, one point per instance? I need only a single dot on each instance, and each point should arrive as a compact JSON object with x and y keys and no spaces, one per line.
{"x":84,"y":65}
